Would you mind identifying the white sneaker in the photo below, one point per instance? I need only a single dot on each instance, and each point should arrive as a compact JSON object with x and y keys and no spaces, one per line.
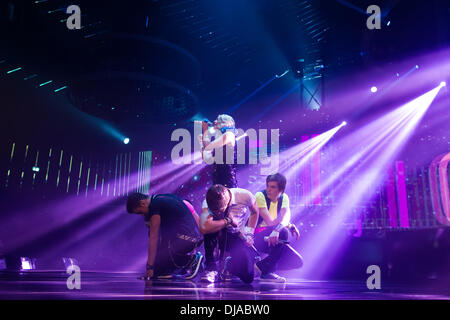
{"x":210,"y":276}
{"x":272,"y":277}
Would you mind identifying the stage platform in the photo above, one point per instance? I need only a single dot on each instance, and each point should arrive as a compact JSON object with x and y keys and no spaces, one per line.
{"x":34,"y":285}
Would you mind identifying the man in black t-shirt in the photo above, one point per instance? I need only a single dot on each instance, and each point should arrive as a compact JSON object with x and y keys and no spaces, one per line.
{"x":174,"y":234}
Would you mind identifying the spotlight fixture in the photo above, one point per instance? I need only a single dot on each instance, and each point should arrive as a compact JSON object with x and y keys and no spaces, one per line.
{"x":27,"y":263}
{"x":374,"y":89}
{"x":443,"y":84}
{"x":417,"y":66}
{"x":344,"y":123}
{"x":126,"y":140}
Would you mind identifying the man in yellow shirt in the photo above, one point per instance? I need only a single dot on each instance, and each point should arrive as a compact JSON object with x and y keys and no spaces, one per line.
{"x":273,"y":228}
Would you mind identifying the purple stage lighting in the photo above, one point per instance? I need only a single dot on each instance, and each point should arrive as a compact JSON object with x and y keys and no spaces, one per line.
{"x":374,"y":89}
{"x":298,"y":156}
{"x":443,"y":84}
{"x":379,"y":142}
{"x":68,"y":262}
{"x":2,"y":264}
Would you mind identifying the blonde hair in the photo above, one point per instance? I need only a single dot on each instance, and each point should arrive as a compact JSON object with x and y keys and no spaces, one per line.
{"x":225,"y":120}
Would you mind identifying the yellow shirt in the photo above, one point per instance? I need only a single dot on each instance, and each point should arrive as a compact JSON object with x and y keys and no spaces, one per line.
{"x":261,"y":202}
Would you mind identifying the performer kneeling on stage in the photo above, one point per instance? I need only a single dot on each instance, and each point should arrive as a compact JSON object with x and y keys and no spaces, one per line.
{"x":273,"y":229}
{"x":226,"y":210}
{"x":174,"y":235}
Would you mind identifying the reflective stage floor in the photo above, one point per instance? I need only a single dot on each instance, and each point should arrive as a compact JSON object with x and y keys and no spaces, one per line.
{"x":100,"y":285}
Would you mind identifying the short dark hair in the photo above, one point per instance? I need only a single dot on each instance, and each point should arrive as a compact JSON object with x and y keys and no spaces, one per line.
{"x":279,"y":179}
{"x":133,"y":200}
{"x":215,"y":197}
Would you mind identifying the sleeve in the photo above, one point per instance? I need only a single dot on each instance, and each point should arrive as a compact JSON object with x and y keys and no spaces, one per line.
{"x":285,"y":203}
{"x":204,"y":204}
{"x":251,"y":199}
{"x":155,"y":208}
{"x":260,"y":200}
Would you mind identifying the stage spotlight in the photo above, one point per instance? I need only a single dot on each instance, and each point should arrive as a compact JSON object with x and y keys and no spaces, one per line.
{"x":443,"y":84}
{"x":126,"y":140}
{"x":27,"y":263}
{"x":374,"y":89}
{"x":417,"y":66}
{"x":344,"y":123}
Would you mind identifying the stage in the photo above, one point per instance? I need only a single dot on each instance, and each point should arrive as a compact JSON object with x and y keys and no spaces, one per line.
{"x":137,"y":134}
{"x":39,"y":285}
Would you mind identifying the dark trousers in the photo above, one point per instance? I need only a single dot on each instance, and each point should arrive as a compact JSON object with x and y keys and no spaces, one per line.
{"x":214,"y":249}
{"x":215,"y":242}
{"x":242,"y":259}
{"x":173,"y":254}
{"x":269,"y":263}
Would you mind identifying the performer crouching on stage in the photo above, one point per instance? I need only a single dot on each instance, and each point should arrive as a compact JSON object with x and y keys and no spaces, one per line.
{"x":273,"y":228}
{"x":174,"y":235}
{"x":227,"y":210}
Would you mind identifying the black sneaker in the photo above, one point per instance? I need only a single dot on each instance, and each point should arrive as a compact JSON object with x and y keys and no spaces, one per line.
{"x":194,"y":267}
{"x":272,"y":277}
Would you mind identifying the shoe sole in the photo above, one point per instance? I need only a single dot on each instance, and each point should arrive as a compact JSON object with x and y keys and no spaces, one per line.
{"x":272,"y":280}
{"x":165,"y":277}
{"x":194,"y":274}
{"x":208,"y":281}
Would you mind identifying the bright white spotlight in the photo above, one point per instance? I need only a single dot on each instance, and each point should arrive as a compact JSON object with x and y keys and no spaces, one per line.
{"x":443,"y":84}
{"x":344,"y":123}
{"x":374,"y":89}
{"x":417,"y":66}
{"x":27,"y":263}
{"x":126,"y":140}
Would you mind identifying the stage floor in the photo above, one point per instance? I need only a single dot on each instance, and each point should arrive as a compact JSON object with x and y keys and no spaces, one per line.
{"x":99,"y":285}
